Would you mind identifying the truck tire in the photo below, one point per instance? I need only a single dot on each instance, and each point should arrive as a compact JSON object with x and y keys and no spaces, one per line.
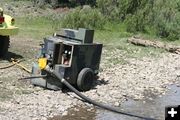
{"x":85,"y":79}
{"x":4,"y":45}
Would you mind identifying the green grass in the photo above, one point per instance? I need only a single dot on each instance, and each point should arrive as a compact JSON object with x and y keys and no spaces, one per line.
{"x":36,"y":27}
{"x":115,"y":37}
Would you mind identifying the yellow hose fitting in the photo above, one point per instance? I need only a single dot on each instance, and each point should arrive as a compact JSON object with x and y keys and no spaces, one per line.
{"x":42,"y":62}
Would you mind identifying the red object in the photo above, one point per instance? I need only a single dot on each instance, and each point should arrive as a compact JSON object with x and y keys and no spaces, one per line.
{"x":1,"y":19}
{"x":66,"y":62}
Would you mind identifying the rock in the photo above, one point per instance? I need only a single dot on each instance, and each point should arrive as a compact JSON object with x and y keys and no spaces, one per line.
{"x":65,"y":113}
{"x":116,"y":104}
{"x":75,"y":109}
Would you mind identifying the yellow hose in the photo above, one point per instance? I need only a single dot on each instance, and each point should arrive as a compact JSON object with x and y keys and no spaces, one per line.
{"x":16,"y":62}
{"x":10,"y":65}
{"x":21,"y":66}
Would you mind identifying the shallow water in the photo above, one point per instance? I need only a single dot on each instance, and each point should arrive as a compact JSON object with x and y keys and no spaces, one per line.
{"x":154,"y":108}
{"x":77,"y":113}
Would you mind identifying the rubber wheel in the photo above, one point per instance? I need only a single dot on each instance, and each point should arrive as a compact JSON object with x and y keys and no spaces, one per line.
{"x":85,"y":79}
{"x":4,"y":45}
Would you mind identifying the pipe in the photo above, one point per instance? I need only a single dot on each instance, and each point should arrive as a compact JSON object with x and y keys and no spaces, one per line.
{"x":33,"y":77}
{"x":113,"y":109}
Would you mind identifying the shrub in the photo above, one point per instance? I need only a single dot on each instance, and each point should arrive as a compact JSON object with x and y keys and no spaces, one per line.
{"x":86,"y":18}
{"x":118,"y":9}
{"x":163,"y":16}
{"x":141,"y":19}
{"x":167,"y":19}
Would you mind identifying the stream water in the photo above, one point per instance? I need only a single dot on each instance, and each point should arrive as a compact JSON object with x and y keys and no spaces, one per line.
{"x":154,"y":108}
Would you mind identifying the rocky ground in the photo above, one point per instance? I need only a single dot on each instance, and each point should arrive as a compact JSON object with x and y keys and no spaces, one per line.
{"x":137,"y":79}
{"x":133,"y":78}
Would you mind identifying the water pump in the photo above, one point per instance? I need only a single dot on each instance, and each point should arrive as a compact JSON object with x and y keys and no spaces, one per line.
{"x":73,"y":55}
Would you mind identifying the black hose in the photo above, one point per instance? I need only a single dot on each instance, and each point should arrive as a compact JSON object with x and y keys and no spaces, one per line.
{"x":113,"y":109}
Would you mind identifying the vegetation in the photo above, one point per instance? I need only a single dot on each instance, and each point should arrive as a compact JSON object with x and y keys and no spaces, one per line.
{"x":36,"y":27}
{"x":154,"y":17}
{"x":84,"y":18}
{"x":70,"y":3}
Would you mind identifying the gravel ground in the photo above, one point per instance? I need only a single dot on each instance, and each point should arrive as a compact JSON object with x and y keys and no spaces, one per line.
{"x":137,"y":79}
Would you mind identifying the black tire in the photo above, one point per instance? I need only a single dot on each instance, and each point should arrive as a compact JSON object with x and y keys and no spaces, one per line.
{"x":85,"y":79}
{"x":4,"y":45}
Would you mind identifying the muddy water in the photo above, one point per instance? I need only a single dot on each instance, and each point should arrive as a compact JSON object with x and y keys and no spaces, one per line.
{"x":77,"y":113}
{"x":152,"y":108}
